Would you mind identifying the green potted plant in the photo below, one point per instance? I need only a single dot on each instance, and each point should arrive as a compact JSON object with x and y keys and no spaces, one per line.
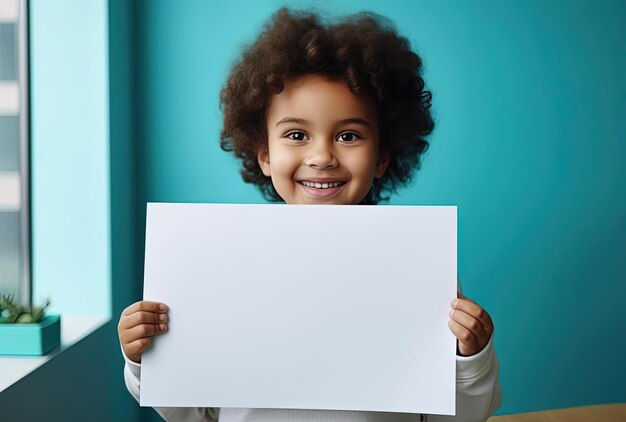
{"x":27,"y":330}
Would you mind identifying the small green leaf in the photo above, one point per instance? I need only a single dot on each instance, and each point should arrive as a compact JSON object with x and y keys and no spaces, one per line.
{"x":24,"y":319}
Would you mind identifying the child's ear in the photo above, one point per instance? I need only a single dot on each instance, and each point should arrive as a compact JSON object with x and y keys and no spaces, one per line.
{"x":263,"y":157}
{"x":382,"y":164}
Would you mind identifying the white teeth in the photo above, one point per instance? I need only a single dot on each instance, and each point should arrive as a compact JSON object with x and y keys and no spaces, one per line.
{"x":321,"y":185}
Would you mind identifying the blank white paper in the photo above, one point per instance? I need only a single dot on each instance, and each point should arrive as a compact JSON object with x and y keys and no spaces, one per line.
{"x":302,"y":306}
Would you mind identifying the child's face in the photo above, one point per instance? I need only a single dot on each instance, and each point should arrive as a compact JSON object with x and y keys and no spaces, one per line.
{"x":322,"y":143}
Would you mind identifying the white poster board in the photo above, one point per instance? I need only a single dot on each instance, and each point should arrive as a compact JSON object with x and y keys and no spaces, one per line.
{"x":302,"y":306}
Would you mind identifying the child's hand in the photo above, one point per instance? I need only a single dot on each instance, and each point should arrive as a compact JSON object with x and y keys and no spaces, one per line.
{"x":470,"y":324}
{"x":138,"y":323}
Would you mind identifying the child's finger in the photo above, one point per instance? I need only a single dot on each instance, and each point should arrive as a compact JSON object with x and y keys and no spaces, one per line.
{"x":465,"y":336}
{"x":145,"y":305}
{"x":468,"y":322}
{"x":475,"y":310}
{"x":143,"y":317}
{"x":141,"y":331}
{"x":462,"y":296}
{"x":136,"y":347}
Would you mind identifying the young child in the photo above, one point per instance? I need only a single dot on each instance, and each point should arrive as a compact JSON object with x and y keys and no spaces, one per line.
{"x":331,"y":114}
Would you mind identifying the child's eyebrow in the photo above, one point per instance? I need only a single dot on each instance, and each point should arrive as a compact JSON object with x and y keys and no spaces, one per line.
{"x":353,"y":120}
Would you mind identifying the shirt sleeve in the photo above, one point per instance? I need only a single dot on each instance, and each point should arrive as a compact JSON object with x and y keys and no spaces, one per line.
{"x":132,"y":378}
{"x":478,"y":391}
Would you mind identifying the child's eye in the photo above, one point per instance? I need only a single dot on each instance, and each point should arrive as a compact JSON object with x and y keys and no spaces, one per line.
{"x":297,"y":136}
{"x":348,"y":137}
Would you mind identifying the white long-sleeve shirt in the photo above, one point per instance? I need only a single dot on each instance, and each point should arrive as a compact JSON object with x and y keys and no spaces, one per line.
{"x":478,"y":396}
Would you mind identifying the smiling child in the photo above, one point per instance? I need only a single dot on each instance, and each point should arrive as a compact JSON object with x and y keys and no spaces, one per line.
{"x":323,"y":145}
{"x":329,"y":114}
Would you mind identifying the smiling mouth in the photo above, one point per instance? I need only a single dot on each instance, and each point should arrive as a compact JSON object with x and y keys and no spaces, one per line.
{"x":320,"y":185}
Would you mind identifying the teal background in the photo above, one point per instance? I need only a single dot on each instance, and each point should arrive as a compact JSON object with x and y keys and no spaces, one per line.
{"x":530,"y":104}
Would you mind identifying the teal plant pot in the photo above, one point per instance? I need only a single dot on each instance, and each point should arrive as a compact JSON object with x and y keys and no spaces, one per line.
{"x":31,"y":339}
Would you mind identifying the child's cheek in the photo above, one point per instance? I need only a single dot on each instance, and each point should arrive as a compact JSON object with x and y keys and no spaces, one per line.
{"x":284,"y":163}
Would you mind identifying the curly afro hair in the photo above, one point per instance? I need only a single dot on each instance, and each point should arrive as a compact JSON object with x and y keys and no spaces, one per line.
{"x":363,"y":49}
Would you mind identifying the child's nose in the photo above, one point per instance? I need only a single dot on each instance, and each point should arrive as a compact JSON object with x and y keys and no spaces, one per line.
{"x":321,"y":155}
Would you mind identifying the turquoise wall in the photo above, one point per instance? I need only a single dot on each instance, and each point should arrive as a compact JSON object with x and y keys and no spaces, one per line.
{"x":530,"y":103}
